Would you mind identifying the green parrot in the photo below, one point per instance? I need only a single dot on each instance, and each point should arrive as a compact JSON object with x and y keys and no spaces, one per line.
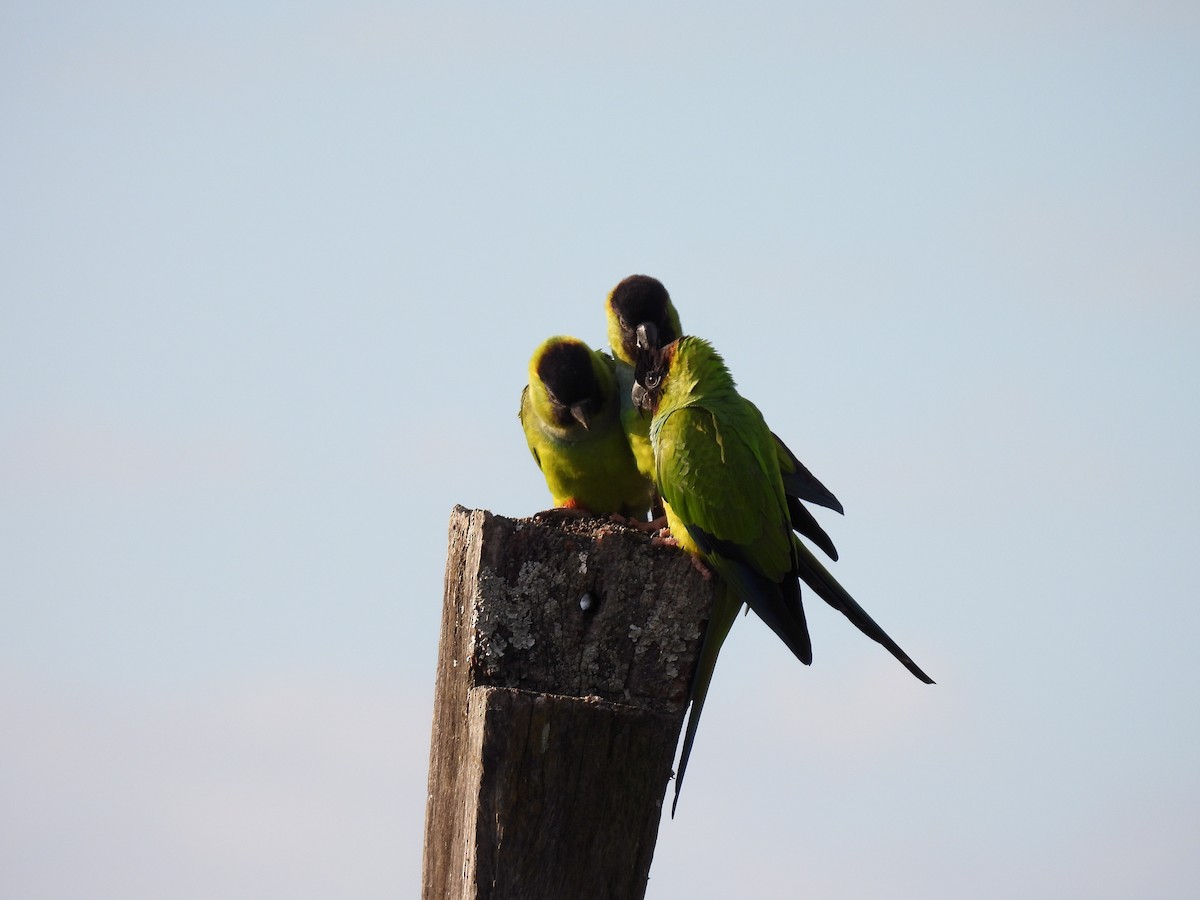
{"x":638,"y":301}
{"x":640,"y":313}
{"x":717,"y":467}
{"x":570,"y":413}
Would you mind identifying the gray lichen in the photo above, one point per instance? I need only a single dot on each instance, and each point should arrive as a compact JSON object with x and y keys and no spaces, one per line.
{"x":503,"y":613}
{"x":501,"y":616}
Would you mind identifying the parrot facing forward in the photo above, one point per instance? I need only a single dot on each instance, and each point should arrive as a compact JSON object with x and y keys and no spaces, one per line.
{"x":570,"y":413}
{"x":717,"y":468}
{"x":640,"y":314}
{"x":639,"y":304}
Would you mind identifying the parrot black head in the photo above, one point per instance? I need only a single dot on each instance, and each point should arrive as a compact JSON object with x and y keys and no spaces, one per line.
{"x":565,"y":369}
{"x":644,"y":314}
{"x":653,"y":366}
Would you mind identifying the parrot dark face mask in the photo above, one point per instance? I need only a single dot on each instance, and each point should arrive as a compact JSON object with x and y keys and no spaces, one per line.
{"x":650,"y":374}
{"x":566,"y":372}
{"x":641,"y":302}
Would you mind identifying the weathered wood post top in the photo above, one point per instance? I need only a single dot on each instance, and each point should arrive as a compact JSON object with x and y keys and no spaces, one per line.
{"x":566,"y":653}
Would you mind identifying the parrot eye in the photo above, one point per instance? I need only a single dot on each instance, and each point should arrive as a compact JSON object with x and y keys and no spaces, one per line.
{"x":653,"y":380}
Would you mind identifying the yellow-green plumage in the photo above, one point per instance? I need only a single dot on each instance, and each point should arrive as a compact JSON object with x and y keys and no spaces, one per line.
{"x":570,"y":412}
{"x":717,"y":468}
{"x":635,"y":425}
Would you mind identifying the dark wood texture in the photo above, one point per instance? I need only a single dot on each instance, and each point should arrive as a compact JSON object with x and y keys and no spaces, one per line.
{"x":555,"y":725}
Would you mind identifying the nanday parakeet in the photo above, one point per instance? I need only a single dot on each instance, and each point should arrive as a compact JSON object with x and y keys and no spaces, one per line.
{"x":638,"y":302}
{"x":639,"y":310}
{"x":717,"y":469}
{"x":570,"y":413}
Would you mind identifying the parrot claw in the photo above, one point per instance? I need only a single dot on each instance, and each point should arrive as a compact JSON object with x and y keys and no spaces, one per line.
{"x":664,"y":539}
{"x":698,"y":564}
{"x":638,"y":524}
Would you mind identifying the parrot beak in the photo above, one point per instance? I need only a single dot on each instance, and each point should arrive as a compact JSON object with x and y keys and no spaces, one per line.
{"x":647,"y":336}
{"x":581,"y":415}
{"x":641,"y":399}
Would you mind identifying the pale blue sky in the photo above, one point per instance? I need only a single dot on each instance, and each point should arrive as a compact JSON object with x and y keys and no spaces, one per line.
{"x":271,"y":274}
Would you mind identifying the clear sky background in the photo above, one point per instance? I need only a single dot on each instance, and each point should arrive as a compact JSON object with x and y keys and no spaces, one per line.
{"x":271,"y":274}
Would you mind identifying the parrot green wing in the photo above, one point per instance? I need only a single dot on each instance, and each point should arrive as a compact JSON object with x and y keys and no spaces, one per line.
{"x":717,"y":473}
{"x":714,"y":478}
{"x":528,"y":425}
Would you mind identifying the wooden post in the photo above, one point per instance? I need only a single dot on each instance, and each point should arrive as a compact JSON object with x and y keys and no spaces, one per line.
{"x":566,"y":652}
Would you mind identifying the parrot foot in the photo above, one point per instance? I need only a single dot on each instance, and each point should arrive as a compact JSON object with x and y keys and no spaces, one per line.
{"x":664,"y":539}
{"x":698,"y":564}
{"x":638,"y":524}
